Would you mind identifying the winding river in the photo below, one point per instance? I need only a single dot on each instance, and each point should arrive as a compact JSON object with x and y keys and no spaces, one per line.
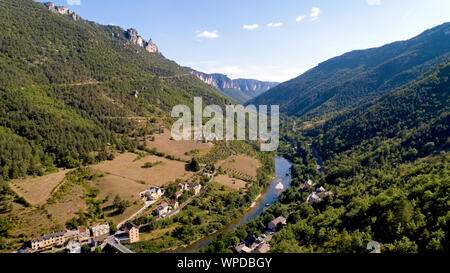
{"x":267,"y":199}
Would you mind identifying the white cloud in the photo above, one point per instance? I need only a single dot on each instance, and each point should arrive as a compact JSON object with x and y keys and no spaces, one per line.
{"x":74,"y":2}
{"x":207,"y":34}
{"x":300,"y":18}
{"x":279,"y":24}
{"x":373,"y":2}
{"x":315,"y":13}
{"x":250,"y":27}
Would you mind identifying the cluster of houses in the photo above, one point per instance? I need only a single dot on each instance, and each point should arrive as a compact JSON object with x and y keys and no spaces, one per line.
{"x":253,"y":244}
{"x":182,"y":187}
{"x":318,"y":193}
{"x":95,"y":237}
{"x":152,"y":194}
{"x":82,"y":235}
{"x":165,"y":208}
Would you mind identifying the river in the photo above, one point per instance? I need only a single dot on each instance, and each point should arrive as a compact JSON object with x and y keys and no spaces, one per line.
{"x":267,"y":199}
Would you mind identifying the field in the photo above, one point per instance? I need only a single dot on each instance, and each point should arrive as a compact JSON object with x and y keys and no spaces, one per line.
{"x":127,"y":189}
{"x":111,"y":185}
{"x":125,"y":166}
{"x":244,"y":164}
{"x":38,"y":189}
{"x":36,"y":221}
{"x":178,"y":149}
{"x":32,"y":222}
{"x":235,"y":184}
{"x":68,"y":204}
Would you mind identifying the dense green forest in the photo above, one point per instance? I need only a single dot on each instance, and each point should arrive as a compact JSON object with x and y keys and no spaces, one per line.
{"x":388,"y":167}
{"x":68,"y":87}
{"x":358,"y":77}
{"x":412,"y":120}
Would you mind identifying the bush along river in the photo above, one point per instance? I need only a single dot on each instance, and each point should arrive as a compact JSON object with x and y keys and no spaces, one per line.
{"x":265,"y":200}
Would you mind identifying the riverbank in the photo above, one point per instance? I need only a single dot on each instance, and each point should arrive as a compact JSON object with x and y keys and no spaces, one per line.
{"x":263,"y":201}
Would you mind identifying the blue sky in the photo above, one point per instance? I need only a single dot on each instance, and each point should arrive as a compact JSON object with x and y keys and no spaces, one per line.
{"x":272,"y":40}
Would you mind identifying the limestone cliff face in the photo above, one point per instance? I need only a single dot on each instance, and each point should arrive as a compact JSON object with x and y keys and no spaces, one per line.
{"x":62,"y":10}
{"x":136,"y":39}
{"x":239,"y":89}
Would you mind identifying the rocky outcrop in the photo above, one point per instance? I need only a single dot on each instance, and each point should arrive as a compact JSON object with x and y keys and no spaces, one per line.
{"x":136,"y":39}
{"x":131,"y":33}
{"x":62,"y":10}
{"x":239,"y":89}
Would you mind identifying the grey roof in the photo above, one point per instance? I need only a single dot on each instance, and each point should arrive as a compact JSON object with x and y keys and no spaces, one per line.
{"x":48,"y":236}
{"x":278,"y":220}
{"x":130,"y":225}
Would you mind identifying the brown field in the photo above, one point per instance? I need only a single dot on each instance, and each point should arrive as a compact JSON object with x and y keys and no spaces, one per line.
{"x":178,"y":149}
{"x":244,"y":164}
{"x":52,"y":217}
{"x":111,"y":185}
{"x":127,"y":189}
{"x":33,"y":222}
{"x":235,"y":184}
{"x":38,"y":189}
{"x":68,"y":205}
{"x":125,"y":167}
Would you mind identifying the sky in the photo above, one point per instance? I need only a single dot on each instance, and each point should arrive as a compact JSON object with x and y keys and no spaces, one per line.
{"x":270,"y":40}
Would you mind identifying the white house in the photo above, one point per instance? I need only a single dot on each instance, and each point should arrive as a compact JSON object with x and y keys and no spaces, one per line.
{"x":196,"y":187}
{"x":74,"y":247}
{"x":100,"y":229}
{"x":162,"y":210}
{"x":154,"y":193}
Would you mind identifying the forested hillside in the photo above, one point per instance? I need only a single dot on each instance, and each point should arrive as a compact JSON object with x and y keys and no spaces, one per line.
{"x":416,"y":116}
{"x":387,"y":165}
{"x":69,"y":88}
{"x":358,"y":77}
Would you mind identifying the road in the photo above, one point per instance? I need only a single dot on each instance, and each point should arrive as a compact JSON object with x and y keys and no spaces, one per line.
{"x":147,"y":205}
{"x":221,"y":165}
{"x":113,"y":242}
{"x":175,"y":212}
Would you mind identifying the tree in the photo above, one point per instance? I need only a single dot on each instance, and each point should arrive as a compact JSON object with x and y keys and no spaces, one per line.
{"x":116,"y":202}
{"x":112,"y":228}
{"x":85,"y":248}
{"x":195,"y":165}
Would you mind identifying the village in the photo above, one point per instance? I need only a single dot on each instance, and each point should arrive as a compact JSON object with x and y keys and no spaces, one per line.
{"x":99,"y":235}
{"x":73,"y":241}
{"x":159,"y":200}
{"x":162,"y":205}
{"x":261,"y":244}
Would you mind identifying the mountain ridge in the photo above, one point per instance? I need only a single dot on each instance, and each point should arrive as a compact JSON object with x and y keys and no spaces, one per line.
{"x":359,"y":76}
{"x":240,"y":90}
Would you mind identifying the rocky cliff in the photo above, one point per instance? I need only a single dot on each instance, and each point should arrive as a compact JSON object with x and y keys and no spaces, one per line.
{"x":62,"y":10}
{"x":240,"y":90}
{"x":131,"y":34}
{"x":135,"y":38}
